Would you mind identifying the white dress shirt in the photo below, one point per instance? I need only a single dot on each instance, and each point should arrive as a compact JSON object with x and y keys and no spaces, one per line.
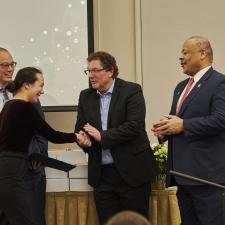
{"x":196,"y":77}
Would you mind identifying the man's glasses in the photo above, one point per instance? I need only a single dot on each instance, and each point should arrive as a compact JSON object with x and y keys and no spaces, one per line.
{"x":7,"y":65}
{"x":87,"y":72}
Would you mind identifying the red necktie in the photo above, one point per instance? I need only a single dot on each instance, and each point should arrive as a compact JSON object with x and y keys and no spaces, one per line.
{"x":189,"y":85}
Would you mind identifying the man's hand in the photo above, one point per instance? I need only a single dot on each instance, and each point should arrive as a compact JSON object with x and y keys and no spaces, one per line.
{"x":170,"y":125}
{"x":83,"y":139}
{"x":93,"y":132}
{"x":155,"y":126}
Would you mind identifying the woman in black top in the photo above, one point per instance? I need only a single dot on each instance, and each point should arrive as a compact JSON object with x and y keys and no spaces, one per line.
{"x":19,"y":121}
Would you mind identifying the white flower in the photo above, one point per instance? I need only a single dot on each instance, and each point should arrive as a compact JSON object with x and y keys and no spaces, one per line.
{"x":160,"y":153}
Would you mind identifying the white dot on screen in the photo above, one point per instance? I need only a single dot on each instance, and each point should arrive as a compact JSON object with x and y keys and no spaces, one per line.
{"x":75,"y":40}
{"x":45,"y":32}
{"x":56,"y":29}
{"x":31,"y":39}
{"x":82,"y":2}
{"x":69,"y":33}
{"x":69,"y":6}
{"x":67,"y":48}
{"x":58,"y":45}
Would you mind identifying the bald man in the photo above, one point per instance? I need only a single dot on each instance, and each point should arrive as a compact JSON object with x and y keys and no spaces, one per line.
{"x":195,"y":130}
{"x":7,"y":66}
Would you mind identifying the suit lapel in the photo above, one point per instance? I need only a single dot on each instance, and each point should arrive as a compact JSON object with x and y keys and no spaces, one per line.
{"x":95,"y":109}
{"x":198,"y":86}
{"x":114,"y":99}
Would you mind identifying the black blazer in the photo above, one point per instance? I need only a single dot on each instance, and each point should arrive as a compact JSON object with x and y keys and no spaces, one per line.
{"x":125,"y":137}
{"x":200,"y":149}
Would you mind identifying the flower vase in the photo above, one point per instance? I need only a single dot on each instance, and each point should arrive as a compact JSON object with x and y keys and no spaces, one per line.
{"x":159,"y":183}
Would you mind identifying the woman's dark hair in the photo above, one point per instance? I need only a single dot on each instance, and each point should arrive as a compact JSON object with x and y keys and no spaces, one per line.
{"x":25,"y":75}
{"x":107,"y":61}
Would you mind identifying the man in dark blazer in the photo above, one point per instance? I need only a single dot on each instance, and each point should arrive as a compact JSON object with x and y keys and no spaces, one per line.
{"x":195,"y":130}
{"x":121,"y":164}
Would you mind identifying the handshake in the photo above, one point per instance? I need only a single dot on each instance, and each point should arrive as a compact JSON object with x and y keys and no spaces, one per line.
{"x":84,"y":137}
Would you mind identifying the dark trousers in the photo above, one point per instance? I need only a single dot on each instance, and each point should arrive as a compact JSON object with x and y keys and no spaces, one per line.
{"x":3,"y":219}
{"x":200,"y":205}
{"x":37,"y":189}
{"x":15,"y":201}
{"x":113,"y":195}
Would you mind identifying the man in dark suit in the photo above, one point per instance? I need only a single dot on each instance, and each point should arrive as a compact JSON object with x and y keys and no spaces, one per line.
{"x":121,"y":164}
{"x":195,"y":130}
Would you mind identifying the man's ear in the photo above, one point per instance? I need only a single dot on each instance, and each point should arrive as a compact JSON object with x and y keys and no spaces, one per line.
{"x":111,"y":73}
{"x":203,"y":54}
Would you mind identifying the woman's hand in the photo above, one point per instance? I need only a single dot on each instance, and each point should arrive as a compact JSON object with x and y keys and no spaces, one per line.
{"x":83,"y":139}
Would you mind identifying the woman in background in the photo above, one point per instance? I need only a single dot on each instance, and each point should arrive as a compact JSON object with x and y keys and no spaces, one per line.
{"x":19,"y":121}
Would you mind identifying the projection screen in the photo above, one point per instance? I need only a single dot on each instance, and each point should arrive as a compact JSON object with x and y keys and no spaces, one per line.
{"x":55,"y":36}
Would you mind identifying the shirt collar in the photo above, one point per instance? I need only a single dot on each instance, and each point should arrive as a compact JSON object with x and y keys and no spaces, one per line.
{"x":110,"y":90}
{"x":200,"y":74}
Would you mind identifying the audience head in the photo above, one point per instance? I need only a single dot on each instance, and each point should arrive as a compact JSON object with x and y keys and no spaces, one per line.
{"x":196,"y":54}
{"x":102,"y":69}
{"x":28,"y":83}
{"x":7,"y":66}
{"x":128,"y":218}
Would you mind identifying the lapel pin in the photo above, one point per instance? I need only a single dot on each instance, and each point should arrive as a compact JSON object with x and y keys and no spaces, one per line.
{"x":178,"y":92}
{"x":199,"y":85}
